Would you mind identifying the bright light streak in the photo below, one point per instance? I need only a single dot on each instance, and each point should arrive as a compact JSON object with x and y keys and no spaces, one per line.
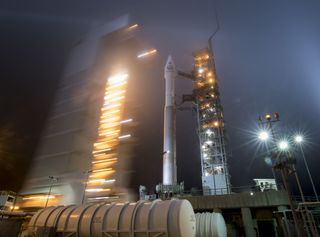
{"x":101,"y":170}
{"x":133,"y":27}
{"x":99,"y":198}
{"x":114,"y":99}
{"x":113,"y":94}
{"x":109,"y":133}
{"x":106,"y":126}
{"x":110,"y":119}
{"x":105,"y":197}
{"x":103,"y":150}
{"x":125,"y":136}
{"x":106,"y":115}
{"x":101,"y":143}
{"x":110,"y":88}
{"x":144,"y":54}
{"x":126,"y":121}
{"x":94,"y":190}
{"x":117,"y":78}
{"x":101,"y":181}
{"x":44,"y":197}
{"x":263,"y":136}
{"x":111,"y":106}
{"x":96,"y":181}
{"x":103,"y":174}
{"x":101,"y":155}
{"x":283,"y":145}
{"x":104,"y":161}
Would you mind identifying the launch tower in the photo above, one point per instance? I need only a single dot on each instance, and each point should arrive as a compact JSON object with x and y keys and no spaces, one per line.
{"x":212,"y":133}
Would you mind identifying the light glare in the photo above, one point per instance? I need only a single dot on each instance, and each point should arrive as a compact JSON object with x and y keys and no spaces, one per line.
{"x":298,"y":139}
{"x":263,"y":136}
{"x":283,"y":145}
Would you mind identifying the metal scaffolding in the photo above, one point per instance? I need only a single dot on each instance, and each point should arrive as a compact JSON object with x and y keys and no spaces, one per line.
{"x":212,"y":133}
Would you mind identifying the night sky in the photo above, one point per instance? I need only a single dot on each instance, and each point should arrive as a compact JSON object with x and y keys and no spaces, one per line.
{"x":267,"y":57}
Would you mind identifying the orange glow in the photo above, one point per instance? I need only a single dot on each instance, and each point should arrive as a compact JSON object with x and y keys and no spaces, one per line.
{"x":114,"y":99}
{"x":110,"y":119}
{"x":107,"y":149}
{"x":113,"y":94}
{"x":102,"y":174}
{"x":105,"y":160}
{"x":110,"y":113}
{"x":106,"y":146}
{"x":111,"y":106}
{"x":39,"y":197}
{"x":118,"y":78}
{"x":116,"y":85}
{"x":101,"y":170}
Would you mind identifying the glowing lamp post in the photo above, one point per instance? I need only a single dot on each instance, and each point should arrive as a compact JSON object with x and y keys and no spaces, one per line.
{"x":283,"y":166}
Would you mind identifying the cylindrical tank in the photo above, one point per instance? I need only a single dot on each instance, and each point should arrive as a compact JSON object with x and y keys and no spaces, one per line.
{"x":210,"y":224}
{"x":172,"y":218}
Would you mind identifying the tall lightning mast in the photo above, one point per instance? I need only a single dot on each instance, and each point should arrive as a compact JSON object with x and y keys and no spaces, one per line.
{"x":212,"y":133}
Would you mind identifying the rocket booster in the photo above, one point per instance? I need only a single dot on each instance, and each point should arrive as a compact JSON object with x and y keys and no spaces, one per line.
{"x":169,"y":129}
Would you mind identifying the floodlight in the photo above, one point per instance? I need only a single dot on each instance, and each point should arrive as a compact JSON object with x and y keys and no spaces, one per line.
{"x":298,"y":139}
{"x":283,"y":145}
{"x":263,"y":135}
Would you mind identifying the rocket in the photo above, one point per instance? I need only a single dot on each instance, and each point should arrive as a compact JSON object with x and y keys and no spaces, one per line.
{"x":169,"y":128}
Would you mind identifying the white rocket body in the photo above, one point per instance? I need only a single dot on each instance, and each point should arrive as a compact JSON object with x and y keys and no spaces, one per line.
{"x":169,"y":139}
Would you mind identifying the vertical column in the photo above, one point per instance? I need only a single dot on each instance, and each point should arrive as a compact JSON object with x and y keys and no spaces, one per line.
{"x":247,"y":222}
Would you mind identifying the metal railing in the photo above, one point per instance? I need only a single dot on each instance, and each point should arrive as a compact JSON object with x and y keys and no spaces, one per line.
{"x":221,"y":191}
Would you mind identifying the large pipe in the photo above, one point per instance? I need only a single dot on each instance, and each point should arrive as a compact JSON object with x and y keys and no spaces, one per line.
{"x":210,"y":224}
{"x":171,"y":218}
{"x":169,"y":144}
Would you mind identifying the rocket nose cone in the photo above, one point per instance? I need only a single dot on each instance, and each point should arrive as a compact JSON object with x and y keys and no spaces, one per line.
{"x":170,"y":67}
